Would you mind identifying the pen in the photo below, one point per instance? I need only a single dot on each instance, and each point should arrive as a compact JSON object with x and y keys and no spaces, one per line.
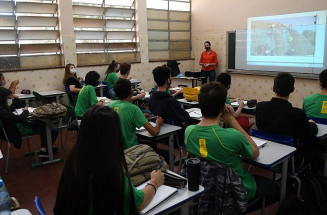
{"x":159,"y":165}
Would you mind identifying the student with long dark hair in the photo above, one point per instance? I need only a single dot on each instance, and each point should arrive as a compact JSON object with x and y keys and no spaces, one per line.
{"x":16,"y":125}
{"x":70,"y":80}
{"x":111,"y":77}
{"x":87,"y":96}
{"x":95,"y":178}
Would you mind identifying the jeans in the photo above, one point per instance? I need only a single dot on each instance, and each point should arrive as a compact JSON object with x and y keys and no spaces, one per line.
{"x":265,"y":188}
{"x":39,"y":128}
{"x":211,"y":74}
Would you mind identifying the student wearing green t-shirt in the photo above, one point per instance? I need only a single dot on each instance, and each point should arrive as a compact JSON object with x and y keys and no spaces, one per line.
{"x":131,"y":117}
{"x":111,"y":77}
{"x":316,"y":105}
{"x":226,"y":145}
{"x":87,"y":96}
{"x":95,"y":178}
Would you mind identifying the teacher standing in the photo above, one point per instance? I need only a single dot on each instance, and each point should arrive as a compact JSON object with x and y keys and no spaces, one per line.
{"x":208,"y":61}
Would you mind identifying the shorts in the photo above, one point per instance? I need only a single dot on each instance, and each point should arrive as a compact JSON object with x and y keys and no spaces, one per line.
{"x":244,"y":122}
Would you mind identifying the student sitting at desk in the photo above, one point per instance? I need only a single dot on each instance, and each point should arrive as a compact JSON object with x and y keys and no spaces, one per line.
{"x":280,"y":117}
{"x":131,"y":117}
{"x":87,"y":96}
{"x":16,"y":125}
{"x":111,"y":77}
{"x":246,"y":121}
{"x":95,"y":178}
{"x":163,"y":104}
{"x":125,"y":71}
{"x":12,"y":86}
{"x":226,"y":145}
{"x":316,"y":105}
{"x":70,"y":80}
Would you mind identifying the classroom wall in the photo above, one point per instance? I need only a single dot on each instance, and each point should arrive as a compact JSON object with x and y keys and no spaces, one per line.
{"x":211,"y":19}
{"x":49,"y":79}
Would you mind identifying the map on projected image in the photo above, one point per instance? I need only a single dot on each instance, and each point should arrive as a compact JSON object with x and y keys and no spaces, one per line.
{"x":288,"y":36}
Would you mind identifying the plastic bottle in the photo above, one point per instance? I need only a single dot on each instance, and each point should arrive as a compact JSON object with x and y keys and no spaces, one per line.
{"x":4,"y":200}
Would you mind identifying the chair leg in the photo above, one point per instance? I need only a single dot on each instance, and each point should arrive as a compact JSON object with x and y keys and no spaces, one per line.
{"x":8,"y":157}
{"x":181,"y":156}
{"x":299,"y":184}
{"x":29,"y":148}
{"x":263,"y":206}
{"x":33,"y":140}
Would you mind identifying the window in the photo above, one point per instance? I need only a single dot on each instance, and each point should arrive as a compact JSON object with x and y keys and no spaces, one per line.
{"x":169,"y":29}
{"x":105,"y":30}
{"x":29,"y":35}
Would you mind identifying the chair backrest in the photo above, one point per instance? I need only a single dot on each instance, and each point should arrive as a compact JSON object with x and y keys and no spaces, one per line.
{"x":71,"y":96}
{"x":283,"y":139}
{"x":38,"y":206}
{"x":318,"y":120}
{"x":224,"y":192}
{"x":70,"y":111}
{"x":38,"y":97}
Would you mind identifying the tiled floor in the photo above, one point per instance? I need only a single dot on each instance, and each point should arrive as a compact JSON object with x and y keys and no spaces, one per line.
{"x":24,"y":182}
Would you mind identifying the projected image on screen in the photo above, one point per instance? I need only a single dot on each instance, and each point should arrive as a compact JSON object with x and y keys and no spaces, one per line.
{"x":283,"y":37}
{"x":290,"y":42}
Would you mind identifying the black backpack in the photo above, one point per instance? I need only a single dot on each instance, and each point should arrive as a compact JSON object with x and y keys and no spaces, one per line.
{"x":314,"y":200}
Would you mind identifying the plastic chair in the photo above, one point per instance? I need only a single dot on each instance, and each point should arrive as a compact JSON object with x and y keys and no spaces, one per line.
{"x":71,"y":96}
{"x":38,"y":205}
{"x":38,"y":98}
{"x":7,"y":140}
{"x":70,"y":114}
{"x":286,"y":140}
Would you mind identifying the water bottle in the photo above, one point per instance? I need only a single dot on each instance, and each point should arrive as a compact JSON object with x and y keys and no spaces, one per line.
{"x":4,"y":200}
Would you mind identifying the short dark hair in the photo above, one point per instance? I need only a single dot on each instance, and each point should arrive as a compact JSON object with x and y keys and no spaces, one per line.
{"x":161,"y":74}
{"x":322,"y":78}
{"x":124,"y":68}
{"x":225,"y":79}
{"x":284,"y":84}
{"x":208,"y":42}
{"x":212,"y":99}
{"x":122,"y":88}
{"x":92,"y":78}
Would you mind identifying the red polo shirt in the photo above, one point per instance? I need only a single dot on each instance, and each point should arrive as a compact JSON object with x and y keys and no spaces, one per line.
{"x":210,"y":57}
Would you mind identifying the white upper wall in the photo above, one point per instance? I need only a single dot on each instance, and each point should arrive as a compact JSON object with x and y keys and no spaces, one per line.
{"x":212,"y":16}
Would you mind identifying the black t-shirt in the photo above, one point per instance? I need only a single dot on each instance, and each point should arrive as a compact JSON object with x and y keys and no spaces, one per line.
{"x":73,"y":81}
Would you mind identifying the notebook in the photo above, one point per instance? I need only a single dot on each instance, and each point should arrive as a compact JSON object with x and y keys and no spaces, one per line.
{"x":20,"y":110}
{"x":163,"y":193}
{"x":142,"y":128}
{"x":260,"y":143}
{"x":196,"y":114}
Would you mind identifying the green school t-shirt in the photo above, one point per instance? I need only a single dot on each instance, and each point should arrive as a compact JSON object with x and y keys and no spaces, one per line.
{"x":316,"y":105}
{"x":228,"y":101}
{"x":111,"y":79}
{"x":131,"y":117}
{"x":203,"y":141}
{"x":138,"y":198}
{"x":86,"y":99}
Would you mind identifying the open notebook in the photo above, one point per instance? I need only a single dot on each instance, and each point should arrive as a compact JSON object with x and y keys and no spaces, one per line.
{"x":163,"y":193}
{"x":142,"y":128}
{"x":260,"y":143}
{"x":20,"y":110}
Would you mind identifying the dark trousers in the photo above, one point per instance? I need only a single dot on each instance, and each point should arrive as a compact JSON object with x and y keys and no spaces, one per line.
{"x":211,"y":74}
{"x":39,"y":128}
{"x":265,"y":188}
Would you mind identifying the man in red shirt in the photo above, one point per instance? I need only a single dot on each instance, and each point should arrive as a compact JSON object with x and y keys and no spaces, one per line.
{"x":208,"y":61}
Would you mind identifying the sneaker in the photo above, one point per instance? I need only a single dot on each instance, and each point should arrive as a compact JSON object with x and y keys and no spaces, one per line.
{"x":43,"y":153}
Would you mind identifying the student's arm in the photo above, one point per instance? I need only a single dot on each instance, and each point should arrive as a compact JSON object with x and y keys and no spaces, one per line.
{"x":178,"y":92}
{"x":157,"y":179}
{"x":73,"y":89}
{"x":138,"y":96}
{"x":239,"y":109}
{"x":228,"y":118}
{"x":154,"y":131}
{"x":5,"y":114}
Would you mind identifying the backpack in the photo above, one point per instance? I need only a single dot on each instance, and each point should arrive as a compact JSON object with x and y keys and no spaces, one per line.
{"x":314,"y":201}
{"x":141,"y":161}
{"x":49,"y":111}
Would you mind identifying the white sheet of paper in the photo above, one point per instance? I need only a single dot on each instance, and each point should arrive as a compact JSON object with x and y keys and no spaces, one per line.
{"x":260,"y":143}
{"x":20,"y":110}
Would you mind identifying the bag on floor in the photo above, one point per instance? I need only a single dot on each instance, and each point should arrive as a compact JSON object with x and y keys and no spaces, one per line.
{"x":49,"y":111}
{"x":141,"y":161}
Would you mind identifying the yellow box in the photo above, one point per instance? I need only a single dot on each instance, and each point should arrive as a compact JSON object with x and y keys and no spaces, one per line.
{"x":191,"y":94}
